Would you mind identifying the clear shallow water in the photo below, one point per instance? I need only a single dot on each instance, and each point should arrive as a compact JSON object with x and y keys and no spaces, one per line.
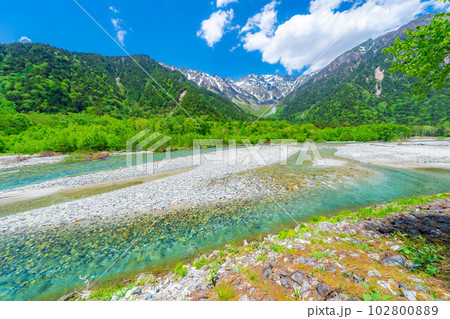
{"x":47,"y":264}
{"x":23,"y":176}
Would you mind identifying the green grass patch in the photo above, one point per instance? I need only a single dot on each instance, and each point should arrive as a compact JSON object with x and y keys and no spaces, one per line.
{"x":180,"y":270}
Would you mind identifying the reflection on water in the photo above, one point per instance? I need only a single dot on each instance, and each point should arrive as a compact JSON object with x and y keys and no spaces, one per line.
{"x":47,"y":264}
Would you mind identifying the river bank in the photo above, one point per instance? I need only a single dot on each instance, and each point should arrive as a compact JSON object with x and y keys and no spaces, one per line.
{"x":397,"y":251}
{"x":196,"y":186}
{"x":408,"y":154}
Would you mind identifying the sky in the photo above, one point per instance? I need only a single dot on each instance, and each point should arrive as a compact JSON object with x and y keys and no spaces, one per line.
{"x":230,"y":38}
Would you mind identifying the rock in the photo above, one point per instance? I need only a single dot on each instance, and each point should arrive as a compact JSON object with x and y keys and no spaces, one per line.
{"x":298,"y":277}
{"x":323,"y":289}
{"x":395,"y":247}
{"x":402,"y":285}
{"x":373,"y":273}
{"x":136,"y":290}
{"x":410,"y":265}
{"x":267,"y":272}
{"x":243,"y":298}
{"x":374,"y":257}
{"x":128,"y":294}
{"x":386,"y":285}
{"x":420,"y":288}
{"x":352,"y":232}
{"x":409,"y":294}
{"x":286,"y":282}
{"x":252,"y":290}
{"x":396,"y":260}
{"x":355,"y":255}
{"x":303,"y":289}
{"x":148,"y":296}
{"x":300,"y":260}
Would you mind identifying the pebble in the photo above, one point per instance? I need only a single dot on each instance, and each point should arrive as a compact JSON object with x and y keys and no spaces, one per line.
{"x":373,"y":273}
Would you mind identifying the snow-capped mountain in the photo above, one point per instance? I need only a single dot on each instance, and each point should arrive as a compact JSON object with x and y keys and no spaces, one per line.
{"x":254,"y":90}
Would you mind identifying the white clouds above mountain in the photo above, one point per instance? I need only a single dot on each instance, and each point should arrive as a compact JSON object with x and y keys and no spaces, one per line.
{"x":117,"y":24}
{"x":121,"y":36}
{"x":213,"y":28}
{"x":325,"y":32}
{"x":24,"y":39}
{"x":223,"y":3}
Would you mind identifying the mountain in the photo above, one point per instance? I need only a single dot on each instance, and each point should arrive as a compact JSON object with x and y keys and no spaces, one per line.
{"x":41,"y":78}
{"x":254,"y":90}
{"x":355,"y":89}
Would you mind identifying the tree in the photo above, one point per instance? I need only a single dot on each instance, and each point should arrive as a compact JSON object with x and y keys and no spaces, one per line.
{"x":424,"y":54}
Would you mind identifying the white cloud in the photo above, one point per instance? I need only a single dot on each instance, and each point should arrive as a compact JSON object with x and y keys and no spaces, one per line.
{"x":121,"y":36}
{"x":223,"y":3}
{"x":116,"y":23}
{"x":24,"y":39}
{"x":113,"y":9}
{"x":264,"y":21}
{"x":318,"y":37}
{"x":213,"y":29}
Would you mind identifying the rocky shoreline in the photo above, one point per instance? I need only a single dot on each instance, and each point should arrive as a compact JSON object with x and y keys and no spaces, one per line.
{"x":397,"y":251}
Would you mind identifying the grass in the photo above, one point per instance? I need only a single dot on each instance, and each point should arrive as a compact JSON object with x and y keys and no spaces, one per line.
{"x":180,"y":271}
{"x":199,"y":263}
{"x":225,"y":292}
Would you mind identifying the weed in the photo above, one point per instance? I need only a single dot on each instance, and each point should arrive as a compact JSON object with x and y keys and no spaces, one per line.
{"x":199,"y":263}
{"x":428,"y":256}
{"x":287,"y":233}
{"x":372,"y":294}
{"x":180,"y":270}
{"x":224,"y":292}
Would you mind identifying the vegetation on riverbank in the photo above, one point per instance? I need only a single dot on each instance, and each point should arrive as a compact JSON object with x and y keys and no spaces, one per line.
{"x":32,"y":133}
{"x":338,"y":255}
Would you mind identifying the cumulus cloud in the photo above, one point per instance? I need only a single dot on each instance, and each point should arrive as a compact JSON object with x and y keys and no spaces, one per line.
{"x":113,"y":9}
{"x":316,"y":38}
{"x":223,"y":3}
{"x":121,"y":36}
{"x":264,"y":21}
{"x":24,"y":39}
{"x":213,"y":29}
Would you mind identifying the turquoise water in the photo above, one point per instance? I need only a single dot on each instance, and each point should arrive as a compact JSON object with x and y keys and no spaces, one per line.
{"x":23,"y":176}
{"x":47,"y":264}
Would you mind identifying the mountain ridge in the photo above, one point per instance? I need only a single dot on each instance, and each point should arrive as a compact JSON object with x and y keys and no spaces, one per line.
{"x":253,"y":89}
{"x":355,"y":89}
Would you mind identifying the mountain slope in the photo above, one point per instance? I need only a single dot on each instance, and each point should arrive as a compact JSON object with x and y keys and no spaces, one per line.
{"x":42,"y":78}
{"x":355,"y":89}
{"x":254,"y":90}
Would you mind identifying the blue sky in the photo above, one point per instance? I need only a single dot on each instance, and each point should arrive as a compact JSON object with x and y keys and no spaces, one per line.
{"x":225,"y":37}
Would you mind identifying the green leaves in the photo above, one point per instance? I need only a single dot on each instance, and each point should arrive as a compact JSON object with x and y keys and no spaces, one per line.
{"x":424,"y":54}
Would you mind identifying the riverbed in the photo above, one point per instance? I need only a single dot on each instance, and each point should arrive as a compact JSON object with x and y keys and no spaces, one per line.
{"x":43,"y":260}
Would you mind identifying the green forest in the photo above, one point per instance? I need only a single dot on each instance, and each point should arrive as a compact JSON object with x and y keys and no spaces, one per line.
{"x":55,"y":100}
{"x":358,"y":89}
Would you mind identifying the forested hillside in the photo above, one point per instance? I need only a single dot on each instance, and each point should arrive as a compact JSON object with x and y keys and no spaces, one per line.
{"x":45,"y":79}
{"x":356,"y":89}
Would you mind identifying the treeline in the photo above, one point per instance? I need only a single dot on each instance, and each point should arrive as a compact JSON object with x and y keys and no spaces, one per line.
{"x":41,"y":78}
{"x":64,"y":133}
